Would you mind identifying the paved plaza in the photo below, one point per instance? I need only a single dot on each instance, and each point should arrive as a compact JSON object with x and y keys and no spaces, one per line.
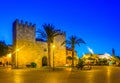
{"x":98,"y":74}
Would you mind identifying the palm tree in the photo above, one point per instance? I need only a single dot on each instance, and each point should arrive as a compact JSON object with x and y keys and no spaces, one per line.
{"x":73,"y":40}
{"x":49,"y":33}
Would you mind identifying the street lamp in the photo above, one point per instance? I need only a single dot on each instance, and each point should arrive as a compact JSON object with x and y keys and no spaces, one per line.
{"x":53,"y":55}
{"x":17,"y":58}
{"x":9,"y":57}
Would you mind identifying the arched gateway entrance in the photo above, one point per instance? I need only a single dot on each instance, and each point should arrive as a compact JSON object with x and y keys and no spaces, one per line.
{"x":44,"y":61}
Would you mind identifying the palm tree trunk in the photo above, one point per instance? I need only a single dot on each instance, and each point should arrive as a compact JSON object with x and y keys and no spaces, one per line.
{"x":72,"y":55}
{"x":49,"y":52}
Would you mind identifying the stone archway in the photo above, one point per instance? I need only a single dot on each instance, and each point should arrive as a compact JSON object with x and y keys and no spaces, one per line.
{"x":44,"y":61}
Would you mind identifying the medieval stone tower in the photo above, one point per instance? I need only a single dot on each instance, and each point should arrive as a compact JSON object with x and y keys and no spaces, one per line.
{"x":27,"y":49}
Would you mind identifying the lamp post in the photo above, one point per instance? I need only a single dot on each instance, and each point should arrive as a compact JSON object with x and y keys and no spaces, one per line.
{"x":17,"y":58}
{"x":53,"y":56}
{"x":9,"y":58}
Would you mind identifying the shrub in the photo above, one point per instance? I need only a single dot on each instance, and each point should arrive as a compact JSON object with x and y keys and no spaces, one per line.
{"x":33,"y":64}
{"x":80,"y":64}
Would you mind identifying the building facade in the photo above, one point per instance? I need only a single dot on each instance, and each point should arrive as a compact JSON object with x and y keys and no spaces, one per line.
{"x":97,"y":58}
{"x":28,"y":49}
{"x":69,"y":57}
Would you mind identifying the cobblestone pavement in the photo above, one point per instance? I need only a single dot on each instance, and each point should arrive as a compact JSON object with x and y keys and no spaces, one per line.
{"x":100,"y":74}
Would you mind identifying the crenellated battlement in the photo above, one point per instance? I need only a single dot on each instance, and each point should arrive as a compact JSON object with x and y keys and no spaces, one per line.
{"x":24,"y":30}
{"x":21,"y":23}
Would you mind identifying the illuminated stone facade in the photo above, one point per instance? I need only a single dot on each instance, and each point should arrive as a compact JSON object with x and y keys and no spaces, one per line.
{"x":69,"y":53}
{"x":94,"y":58}
{"x":60,"y":51}
{"x":32,"y":50}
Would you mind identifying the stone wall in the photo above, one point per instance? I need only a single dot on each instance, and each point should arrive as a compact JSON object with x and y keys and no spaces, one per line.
{"x":60,"y":50}
{"x":24,"y":40}
{"x":31,"y":50}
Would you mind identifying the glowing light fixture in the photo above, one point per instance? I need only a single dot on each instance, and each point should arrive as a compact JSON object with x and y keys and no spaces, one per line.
{"x":53,"y":46}
{"x":17,"y":50}
{"x":9,"y":55}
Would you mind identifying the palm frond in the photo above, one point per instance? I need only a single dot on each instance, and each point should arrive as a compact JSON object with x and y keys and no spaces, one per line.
{"x":74,"y":40}
{"x":63,"y":43}
{"x":51,"y":32}
{"x":57,"y":32}
{"x":79,"y":41}
{"x":66,"y":42}
{"x":41,"y":33}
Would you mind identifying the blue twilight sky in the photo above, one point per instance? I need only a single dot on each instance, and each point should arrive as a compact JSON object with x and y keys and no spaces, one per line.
{"x":95,"y":21}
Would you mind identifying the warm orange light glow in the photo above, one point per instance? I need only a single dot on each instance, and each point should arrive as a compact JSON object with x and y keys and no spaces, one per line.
{"x":9,"y":55}
{"x":17,"y":50}
{"x":53,"y":46}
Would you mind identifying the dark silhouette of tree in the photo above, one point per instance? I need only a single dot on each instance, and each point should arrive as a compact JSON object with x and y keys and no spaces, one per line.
{"x":49,"y":33}
{"x":73,"y":40}
{"x":90,"y":58}
{"x":3,"y":48}
{"x":113,"y":52}
{"x":118,"y":57}
{"x":69,"y":57}
{"x":104,"y":60}
{"x":80,"y":64}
